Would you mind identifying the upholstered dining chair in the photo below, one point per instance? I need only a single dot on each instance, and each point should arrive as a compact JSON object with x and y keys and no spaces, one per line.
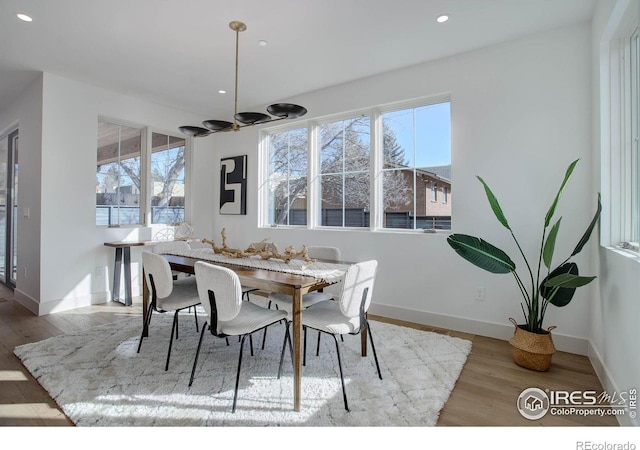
{"x":347,"y":315}
{"x":285,"y":301}
{"x":166,"y":294}
{"x":227,"y":315}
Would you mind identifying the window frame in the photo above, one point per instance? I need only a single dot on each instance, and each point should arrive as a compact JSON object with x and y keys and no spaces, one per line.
{"x":313,"y":162}
{"x":146,"y":181}
{"x":620,"y":185}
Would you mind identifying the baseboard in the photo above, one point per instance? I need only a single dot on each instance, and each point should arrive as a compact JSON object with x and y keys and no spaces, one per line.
{"x":565,"y":343}
{"x":608,"y":384}
{"x":25,"y":300}
{"x":67,"y":304}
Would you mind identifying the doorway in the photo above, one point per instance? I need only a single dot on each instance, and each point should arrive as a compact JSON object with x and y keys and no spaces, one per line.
{"x":8,"y":208}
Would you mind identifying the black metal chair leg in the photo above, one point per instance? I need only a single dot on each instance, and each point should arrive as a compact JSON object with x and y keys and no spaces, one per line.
{"x":195,"y":315}
{"x":227,"y":339}
{"x":344,"y":392}
{"x":304,"y":352}
{"x":264,"y":337}
{"x":264,"y":333}
{"x":304,"y":347}
{"x":318,"y":346}
{"x":287,"y":338}
{"x":145,"y":326}
{"x":251,"y":343}
{"x":195,"y":361}
{"x":173,"y":329}
{"x":373,"y":347}
{"x":235,"y":393}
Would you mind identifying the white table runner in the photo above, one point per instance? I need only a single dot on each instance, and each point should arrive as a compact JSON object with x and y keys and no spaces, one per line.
{"x":322,"y":271}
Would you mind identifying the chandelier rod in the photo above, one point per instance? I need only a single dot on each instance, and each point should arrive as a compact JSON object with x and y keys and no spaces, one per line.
{"x":238,"y":26}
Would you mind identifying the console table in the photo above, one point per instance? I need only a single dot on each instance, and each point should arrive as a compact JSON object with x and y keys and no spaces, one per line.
{"x":123,"y":256}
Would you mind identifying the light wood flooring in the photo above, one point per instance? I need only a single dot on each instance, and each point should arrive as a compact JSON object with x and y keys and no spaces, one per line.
{"x":484,"y":395}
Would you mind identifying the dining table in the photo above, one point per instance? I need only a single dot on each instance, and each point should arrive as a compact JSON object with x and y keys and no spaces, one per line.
{"x":294,"y":284}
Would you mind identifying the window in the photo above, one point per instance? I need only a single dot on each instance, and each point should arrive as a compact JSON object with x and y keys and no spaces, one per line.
{"x":167,"y":177}
{"x":118,"y":174}
{"x":626,"y":100}
{"x":417,"y":156}
{"x":129,"y":193}
{"x":287,"y":177}
{"x":333,"y":173}
{"x":345,"y":155}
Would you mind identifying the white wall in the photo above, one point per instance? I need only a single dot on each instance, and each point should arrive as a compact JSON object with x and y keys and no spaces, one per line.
{"x":68,"y":248}
{"x":615,"y":307}
{"x":520,"y":115}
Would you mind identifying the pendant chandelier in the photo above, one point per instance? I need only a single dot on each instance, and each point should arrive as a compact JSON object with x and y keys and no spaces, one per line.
{"x":278,"y":111}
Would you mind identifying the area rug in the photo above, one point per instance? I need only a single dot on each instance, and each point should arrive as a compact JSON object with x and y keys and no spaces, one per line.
{"x":98,"y":379}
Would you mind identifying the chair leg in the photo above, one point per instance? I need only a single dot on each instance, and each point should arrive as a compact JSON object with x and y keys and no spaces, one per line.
{"x":264,"y":333}
{"x":251,"y":343}
{"x":145,"y":326}
{"x":304,"y":350}
{"x":195,"y":315}
{"x":287,"y":337}
{"x":173,"y":329}
{"x":235,"y":393}
{"x":195,"y":360}
{"x":175,"y":319}
{"x":318,"y":346}
{"x":373,"y":347}
{"x":344,"y":392}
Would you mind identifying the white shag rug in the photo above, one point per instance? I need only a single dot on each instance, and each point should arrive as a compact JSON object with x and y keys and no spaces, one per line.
{"x":98,"y":379}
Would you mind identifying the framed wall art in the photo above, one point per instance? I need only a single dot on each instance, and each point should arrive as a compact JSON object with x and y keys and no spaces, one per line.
{"x":233,"y":185}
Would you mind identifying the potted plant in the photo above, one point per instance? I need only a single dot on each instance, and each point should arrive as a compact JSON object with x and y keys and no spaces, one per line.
{"x":532,"y":345}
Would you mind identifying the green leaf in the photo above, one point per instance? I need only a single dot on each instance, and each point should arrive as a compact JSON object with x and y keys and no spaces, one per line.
{"x":550,"y":245}
{"x":495,"y":206}
{"x":587,"y":234}
{"x":556,"y":295}
{"x":482,"y":254}
{"x":568,"y":280}
{"x":552,"y":209}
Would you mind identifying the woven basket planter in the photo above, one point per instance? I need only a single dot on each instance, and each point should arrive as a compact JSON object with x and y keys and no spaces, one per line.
{"x":532,"y":350}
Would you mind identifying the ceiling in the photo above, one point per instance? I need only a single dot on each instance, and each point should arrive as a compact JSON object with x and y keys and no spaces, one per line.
{"x":181,"y":52}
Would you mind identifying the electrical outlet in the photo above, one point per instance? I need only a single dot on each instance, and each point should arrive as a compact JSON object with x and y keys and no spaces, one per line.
{"x":480,"y":294}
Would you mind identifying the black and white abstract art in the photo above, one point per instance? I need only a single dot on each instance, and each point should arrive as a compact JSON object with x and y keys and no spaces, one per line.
{"x":233,"y":185}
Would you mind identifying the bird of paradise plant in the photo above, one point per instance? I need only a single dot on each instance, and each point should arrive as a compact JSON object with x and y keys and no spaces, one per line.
{"x":558,"y":285}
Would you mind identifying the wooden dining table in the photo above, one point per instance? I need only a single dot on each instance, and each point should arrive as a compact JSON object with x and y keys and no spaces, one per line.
{"x":269,"y":281}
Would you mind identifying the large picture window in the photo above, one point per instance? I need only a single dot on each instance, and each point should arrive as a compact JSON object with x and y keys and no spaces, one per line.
{"x":332,"y":173}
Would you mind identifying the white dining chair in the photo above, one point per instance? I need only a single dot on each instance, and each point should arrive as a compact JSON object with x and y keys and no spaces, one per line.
{"x":227,"y":315}
{"x":347,"y":315}
{"x":166,"y":294}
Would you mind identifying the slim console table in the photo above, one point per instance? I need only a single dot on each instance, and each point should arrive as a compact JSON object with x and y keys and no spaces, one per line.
{"x":123,"y":257}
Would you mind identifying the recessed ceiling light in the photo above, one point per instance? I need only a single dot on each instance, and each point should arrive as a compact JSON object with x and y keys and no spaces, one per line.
{"x":442,"y":18}
{"x":222,"y":91}
{"x":24,"y":17}
{"x":262,"y":43}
